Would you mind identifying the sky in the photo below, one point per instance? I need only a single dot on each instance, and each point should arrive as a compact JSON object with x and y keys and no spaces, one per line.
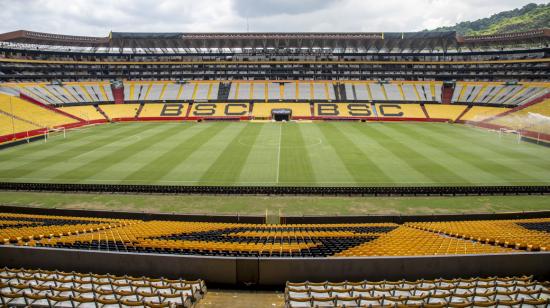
{"x":99,"y":17}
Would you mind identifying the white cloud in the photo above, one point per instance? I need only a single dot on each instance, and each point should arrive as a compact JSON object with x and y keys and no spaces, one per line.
{"x":98,"y":17}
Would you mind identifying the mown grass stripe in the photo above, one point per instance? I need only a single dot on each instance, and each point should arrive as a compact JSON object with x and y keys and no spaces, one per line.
{"x":295,"y":165}
{"x":22,"y":154}
{"x":150,"y":155}
{"x":258,"y":167}
{"x":487,"y":170}
{"x":165,"y":163}
{"x":151,"y":136}
{"x":228,"y":166}
{"x":311,"y":154}
{"x":483,"y":169}
{"x":432,"y":167}
{"x":70,"y":153}
{"x":358,"y":163}
{"x":503,"y":147}
{"x":40,"y":145}
{"x":446,"y":156}
{"x":327,"y":166}
{"x":394,"y":164}
{"x":197,"y":163}
{"x":507,"y":144}
{"x":414,"y":159}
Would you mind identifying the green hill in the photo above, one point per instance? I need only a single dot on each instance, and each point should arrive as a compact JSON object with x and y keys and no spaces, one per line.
{"x":529,"y":17}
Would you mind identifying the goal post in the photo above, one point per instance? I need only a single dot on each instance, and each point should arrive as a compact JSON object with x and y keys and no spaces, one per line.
{"x":503,"y":131}
{"x":539,"y":126}
{"x":55,"y":131}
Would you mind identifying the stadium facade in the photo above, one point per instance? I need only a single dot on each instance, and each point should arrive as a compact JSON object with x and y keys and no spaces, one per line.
{"x":276,"y":56}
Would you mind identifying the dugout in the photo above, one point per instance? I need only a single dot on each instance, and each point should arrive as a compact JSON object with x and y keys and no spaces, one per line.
{"x":281,"y":114}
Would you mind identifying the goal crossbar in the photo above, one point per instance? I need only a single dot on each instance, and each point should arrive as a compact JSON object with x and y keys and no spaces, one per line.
{"x":55,"y":131}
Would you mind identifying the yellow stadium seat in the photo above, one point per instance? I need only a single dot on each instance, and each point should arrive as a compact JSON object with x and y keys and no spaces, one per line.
{"x":384,"y":239}
{"x":480,"y":113}
{"x":447,"y":112}
{"x":87,"y":113}
{"x":10,"y":125}
{"x":519,"y":119}
{"x":32,"y":113}
{"x":120,"y":111}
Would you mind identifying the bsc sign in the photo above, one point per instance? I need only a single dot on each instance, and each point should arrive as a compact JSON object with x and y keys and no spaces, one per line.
{"x":359,"y":110}
{"x":172,"y":110}
{"x":205,"y":109}
{"x":208,"y":109}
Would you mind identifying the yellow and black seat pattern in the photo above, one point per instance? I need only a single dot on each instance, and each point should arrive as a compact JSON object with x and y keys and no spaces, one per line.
{"x":474,"y":292}
{"x":313,"y":241}
{"x":34,"y":288}
{"x":260,"y":240}
{"x":525,"y":234}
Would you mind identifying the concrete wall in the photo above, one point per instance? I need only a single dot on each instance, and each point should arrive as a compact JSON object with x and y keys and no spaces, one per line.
{"x":280,"y":190}
{"x":230,"y":218}
{"x":276,"y":271}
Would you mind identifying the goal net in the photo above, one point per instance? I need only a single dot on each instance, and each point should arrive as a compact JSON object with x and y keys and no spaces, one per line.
{"x":533,"y":125}
{"x":538,"y":125}
{"x":538,"y":122}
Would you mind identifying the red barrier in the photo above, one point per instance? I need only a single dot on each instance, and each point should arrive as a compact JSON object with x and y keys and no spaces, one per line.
{"x":524,"y":133}
{"x":42,"y":131}
{"x":40,"y":104}
{"x":145,"y":119}
{"x":371,"y":119}
{"x":22,"y":135}
{"x":219,"y":118}
{"x":118,"y":94}
{"x":100,"y":121}
{"x":75,"y":125}
{"x":447,"y":94}
{"x":531,"y":103}
{"x":458,"y":120}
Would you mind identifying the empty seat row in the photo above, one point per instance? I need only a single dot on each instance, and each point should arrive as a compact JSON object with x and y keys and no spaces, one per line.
{"x":473,"y":292}
{"x":163,"y":91}
{"x":31,"y":113}
{"x":68,"y":93}
{"x":249,"y":240}
{"x":392,"y":91}
{"x":526,"y":234}
{"x":492,"y":93}
{"x":25,"y":287}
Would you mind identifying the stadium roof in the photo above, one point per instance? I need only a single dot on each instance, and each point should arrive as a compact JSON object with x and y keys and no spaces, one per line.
{"x":353,"y":40}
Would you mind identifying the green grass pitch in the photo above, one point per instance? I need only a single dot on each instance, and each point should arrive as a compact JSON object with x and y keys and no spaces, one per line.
{"x":301,"y":154}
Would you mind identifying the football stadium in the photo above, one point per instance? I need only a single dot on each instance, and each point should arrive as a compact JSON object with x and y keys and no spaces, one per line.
{"x":250,"y":159}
